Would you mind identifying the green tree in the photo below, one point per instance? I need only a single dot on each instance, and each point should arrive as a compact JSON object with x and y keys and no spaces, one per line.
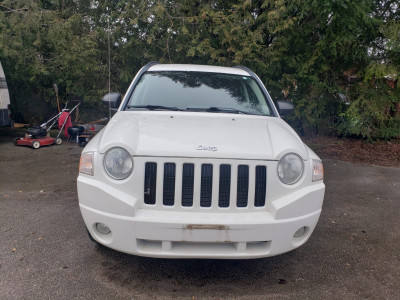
{"x":338,"y":60}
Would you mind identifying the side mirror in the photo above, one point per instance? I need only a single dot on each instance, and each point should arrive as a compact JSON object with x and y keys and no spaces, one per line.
{"x":112,"y":100}
{"x":284,"y":107}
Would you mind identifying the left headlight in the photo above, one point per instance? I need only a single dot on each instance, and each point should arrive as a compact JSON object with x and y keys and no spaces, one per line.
{"x":118,"y":163}
{"x":290,"y":168}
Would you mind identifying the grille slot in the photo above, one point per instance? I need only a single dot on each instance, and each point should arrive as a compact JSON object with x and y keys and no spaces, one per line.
{"x":169,"y":184}
{"x":187,"y":184}
{"x":224,"y":185}
{"x":242,"y":186}
{"x":150,"y":183}
{"x":206,"y":185}
{"x":260,"y":186}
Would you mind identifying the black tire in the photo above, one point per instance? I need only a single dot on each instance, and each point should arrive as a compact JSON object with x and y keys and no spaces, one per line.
{"x":91,"y":238}
{"x":99,"y":246}
{"x":15,"y":140}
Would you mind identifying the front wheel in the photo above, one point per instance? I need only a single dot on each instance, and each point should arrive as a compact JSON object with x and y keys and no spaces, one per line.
{"x":58,"y":141}
{"x":35,"y":144}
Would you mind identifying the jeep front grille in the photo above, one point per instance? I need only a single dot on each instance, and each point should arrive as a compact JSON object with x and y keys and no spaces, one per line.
{"x":206,"y":185}
{"x":169,"y":184}
{"x":242,"y":185}
{"x":261,"y":186}
{"x":187,"y":184}
{"x":225,"y":184}
{"x":150,"y":183}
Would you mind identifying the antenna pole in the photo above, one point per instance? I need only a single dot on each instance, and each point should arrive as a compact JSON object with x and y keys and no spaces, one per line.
{"x":109,"y":65}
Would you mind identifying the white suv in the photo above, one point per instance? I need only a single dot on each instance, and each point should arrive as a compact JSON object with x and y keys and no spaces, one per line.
{"x":197,"y":163}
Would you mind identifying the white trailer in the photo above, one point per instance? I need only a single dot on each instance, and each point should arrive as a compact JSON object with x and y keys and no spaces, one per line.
{"x":4,"y":100}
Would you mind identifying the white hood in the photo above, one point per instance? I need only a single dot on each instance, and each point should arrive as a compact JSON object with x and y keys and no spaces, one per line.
{"x":199,"y":134}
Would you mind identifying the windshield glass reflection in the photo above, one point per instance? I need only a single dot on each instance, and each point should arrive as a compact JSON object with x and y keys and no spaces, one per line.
{"x":199,"y":90}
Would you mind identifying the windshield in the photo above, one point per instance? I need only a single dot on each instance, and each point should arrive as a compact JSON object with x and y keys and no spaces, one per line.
{"x":198,"y":91}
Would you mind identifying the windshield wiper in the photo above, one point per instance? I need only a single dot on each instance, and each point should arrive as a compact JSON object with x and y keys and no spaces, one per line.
{"x":154,"y":107}
{"x":220,"y":109}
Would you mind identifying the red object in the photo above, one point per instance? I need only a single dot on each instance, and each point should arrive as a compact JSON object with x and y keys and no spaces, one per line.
{"x":68,"y":124}
{"x":46,"y":141}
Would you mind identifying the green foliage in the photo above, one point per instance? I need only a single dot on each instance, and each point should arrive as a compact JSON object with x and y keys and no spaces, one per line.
{"x":373,"y":114}
{"x":40,"y":47}
{"x":319,"y":54}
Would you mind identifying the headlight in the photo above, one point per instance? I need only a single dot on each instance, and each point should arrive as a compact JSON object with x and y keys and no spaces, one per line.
{"x":318,"y":170}
{"x":290,"y":168}
{"x":86,"y":163}
{"x":118,"y":163}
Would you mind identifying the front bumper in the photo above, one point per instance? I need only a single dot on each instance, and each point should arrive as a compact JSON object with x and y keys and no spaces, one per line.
{"x":212,"y":234}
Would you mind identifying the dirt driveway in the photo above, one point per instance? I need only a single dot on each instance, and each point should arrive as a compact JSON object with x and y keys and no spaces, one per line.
{"x":45,"y":253}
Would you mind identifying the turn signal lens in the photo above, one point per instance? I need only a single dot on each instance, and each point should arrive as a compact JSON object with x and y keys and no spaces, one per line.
{"x":318,"y":170}
{"x":86,"y":163}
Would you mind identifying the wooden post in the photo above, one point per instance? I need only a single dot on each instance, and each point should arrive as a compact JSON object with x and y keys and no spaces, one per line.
{"x":55,"y":86}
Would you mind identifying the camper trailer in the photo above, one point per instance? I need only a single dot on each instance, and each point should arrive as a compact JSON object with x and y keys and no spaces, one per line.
{"x":4,"y":100}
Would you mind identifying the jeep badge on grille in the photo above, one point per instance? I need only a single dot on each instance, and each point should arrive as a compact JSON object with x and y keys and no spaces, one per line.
{"x":207,"y":148}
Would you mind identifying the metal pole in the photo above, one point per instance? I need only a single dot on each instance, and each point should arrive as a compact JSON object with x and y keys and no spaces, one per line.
{"x":109,"y":66}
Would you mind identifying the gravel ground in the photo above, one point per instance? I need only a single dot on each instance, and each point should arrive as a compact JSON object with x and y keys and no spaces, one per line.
{"x":46,"y":254}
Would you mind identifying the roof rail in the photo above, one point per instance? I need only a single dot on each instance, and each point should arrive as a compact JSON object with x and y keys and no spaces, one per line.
{"x":150,"y":64}
{"x":245,"y":69}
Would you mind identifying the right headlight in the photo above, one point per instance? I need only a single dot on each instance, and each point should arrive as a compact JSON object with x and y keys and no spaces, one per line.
{"x":118,"y":163}
{"x":290,"y":168}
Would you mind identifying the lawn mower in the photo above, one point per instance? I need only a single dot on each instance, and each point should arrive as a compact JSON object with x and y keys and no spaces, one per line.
{"x":39,"y":136}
